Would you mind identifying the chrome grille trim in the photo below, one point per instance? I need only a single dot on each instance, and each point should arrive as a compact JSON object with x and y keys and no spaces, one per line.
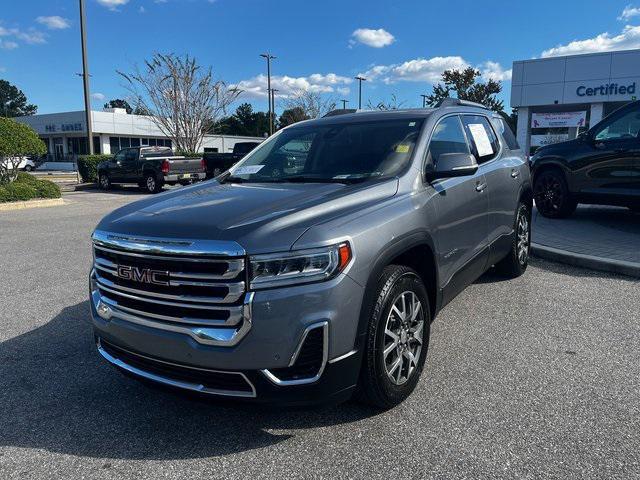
{"x":219,"y":317}
{"x":235,"y":292}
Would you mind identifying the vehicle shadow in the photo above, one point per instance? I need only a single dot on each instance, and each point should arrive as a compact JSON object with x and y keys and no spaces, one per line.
{"x":57,"y":394}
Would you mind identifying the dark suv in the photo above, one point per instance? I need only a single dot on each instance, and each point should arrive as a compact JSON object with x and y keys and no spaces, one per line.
{"x":601,"y":166}
{"x":307,"y":280}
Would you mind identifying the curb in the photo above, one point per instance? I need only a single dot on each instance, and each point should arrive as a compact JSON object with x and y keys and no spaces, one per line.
{"x":622,"y":267}
{"x":48,"y":202}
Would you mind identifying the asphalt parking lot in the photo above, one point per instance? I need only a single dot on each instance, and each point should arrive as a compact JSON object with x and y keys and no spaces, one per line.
{"x":532,"y":378}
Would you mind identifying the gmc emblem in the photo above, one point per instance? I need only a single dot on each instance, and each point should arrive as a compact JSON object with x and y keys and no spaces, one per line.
{"x":143,"y":275}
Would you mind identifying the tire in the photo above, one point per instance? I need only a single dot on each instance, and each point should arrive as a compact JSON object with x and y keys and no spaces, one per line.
{"x":376,"y":386}
{"x":151,"y":183}
{"x":552,"y":196}
{"x":28,"y":168}
{"x":517,"y":260}
{"x":104,"y":182}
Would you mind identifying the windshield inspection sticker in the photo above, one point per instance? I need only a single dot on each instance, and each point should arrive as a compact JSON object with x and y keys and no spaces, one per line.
{"x":248,"y":170}
{"x":402,"y":148}
{"x":481,"y":139}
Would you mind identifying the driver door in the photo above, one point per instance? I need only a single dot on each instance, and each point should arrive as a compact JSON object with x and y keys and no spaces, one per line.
{"x":116,"y":170}
{"x":461,"y":209}
{"x":611,"y":165}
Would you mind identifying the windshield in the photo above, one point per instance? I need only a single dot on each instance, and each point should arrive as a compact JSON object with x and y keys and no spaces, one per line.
{"x":342,"y":152}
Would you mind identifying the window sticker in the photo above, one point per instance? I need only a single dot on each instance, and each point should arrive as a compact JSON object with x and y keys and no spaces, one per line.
{"x":412,"y":124}
{"x":248,"y":170}
{"x":481,"y":139}
{"x":402,"y":148}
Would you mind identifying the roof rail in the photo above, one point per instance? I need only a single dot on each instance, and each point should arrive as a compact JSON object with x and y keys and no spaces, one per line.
{"x":339,"y":111}
{"x":453,"y":102}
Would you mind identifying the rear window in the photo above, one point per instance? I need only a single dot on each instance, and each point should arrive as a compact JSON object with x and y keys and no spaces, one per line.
{"x":483,"y":139}
{"x":507,"y":134}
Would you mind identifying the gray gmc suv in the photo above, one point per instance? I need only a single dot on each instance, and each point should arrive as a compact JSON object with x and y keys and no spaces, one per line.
{"x":312,"y":269}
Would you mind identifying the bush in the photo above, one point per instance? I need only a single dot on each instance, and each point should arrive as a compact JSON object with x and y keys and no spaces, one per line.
{"x":28,"y":187}
{"x":17,"y":140}
{"x":88,"y":166}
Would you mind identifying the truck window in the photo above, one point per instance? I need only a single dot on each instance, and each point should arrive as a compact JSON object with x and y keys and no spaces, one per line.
{"x":447,"y":137}
{"x":507,"y":134}
{"x":483,"y":139}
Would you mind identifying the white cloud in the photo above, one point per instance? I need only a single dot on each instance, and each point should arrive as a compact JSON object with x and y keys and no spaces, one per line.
{"x":629,"y":12}
{"x":629,"y":38}
{"x":8,"y":44}
{"x":99,"y":97}
{"x":494,"y":71}
{"x":373,"y":38}
{"x":256,"y":87}
{"x":31,"y":36}
{"x":142,"y":9}
{"x":113,"y":4}
{"x":54,"y":22}
{"x":416,"y":70}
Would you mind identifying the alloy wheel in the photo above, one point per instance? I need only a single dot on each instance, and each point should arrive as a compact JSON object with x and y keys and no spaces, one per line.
{"x":104,"y":182}
{"x":523,"y":239}
{"x":549,"y":194}
{"x":403,"y":337}
{"x":151,"y":183}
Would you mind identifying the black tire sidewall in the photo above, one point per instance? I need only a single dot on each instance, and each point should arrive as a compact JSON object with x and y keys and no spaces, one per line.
{"x":380,"y":389}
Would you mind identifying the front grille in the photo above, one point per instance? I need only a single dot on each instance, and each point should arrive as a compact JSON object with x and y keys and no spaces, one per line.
{"x":212,"y":381}
{"x":172,"y":289}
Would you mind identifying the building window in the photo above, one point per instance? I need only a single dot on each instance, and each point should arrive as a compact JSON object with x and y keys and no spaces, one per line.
{"x":135,"y":142}
{"x":114,"y":142}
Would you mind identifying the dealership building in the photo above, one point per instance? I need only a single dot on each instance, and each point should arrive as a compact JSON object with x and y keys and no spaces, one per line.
{"x":113,"y":129}
{"x":559,"y":97}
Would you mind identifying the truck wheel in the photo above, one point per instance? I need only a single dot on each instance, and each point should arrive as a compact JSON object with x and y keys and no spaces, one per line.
{"x":516,"y":262}
{"x":397,"y":338}
{"x":552,"y":196}
{"x":104,"y":182}
{"x":28,"y":168}
{"x":151,"y":183}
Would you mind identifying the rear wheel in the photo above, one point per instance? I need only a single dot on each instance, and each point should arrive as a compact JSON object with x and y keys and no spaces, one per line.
{"x":552,"y":196}
{"x":28,"y":168}
{"x":151,"y":183}
{"x":516,"y":262}
{"x":104,"y":182}
{"x":397,"y":338}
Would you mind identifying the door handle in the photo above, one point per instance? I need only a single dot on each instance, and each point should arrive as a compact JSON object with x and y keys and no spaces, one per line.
{"x":480,"y":187}
{"x":515,"y":173}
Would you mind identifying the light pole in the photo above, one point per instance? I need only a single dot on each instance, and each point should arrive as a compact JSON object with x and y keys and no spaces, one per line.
{"x":85,"y":78}
{"x":269,"y":57}
{"x":273,"y":100}
{"x":344,"y":104}
{"x":424,"y":100}
{"x":360,"y":80}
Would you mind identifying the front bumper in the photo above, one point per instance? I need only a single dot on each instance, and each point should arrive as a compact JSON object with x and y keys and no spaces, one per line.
{"x":279,"y":321}
{"x":176,"y":177}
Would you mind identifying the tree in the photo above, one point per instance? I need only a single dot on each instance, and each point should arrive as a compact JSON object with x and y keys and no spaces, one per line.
{"x":393,"y":104}
{"x":244,"y":122}
{"x":119,"y":103}
{"x":465,"y":86}
{"x":313,"y":104}
{"x":291,"y":116}
{"x":13,"y":102}
{"x":183,"y":98}
{"x":16,"y":141}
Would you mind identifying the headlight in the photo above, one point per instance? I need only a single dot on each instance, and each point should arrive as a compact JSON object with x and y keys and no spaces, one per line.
{"x":303,"y":266}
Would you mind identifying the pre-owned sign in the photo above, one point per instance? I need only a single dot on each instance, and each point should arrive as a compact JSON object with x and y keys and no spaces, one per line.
{"x":558,"y":119}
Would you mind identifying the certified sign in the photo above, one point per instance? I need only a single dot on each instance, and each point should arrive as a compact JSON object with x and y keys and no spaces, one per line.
{"x":558,"y":120}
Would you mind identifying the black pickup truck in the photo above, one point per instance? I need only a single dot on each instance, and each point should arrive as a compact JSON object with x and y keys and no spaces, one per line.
{"x":150,"y":168}
{"x":221,"y":162}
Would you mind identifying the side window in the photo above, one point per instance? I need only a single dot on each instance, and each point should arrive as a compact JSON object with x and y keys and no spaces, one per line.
{"x":131,"y":155}
{"x":447,"y":137}
{"x":507,"y":134}
{"x":483,"y":139}
{"x":626,"y":126}
{"x":119,"y":157}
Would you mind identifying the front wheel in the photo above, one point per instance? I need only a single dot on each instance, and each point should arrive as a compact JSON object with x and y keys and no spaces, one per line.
{"x":397,"y":338}
{"x":28,"y":168}
{"x":104,"y":182}
{"x":151,"y":183}
{"x":517,"y":260}
{"x":552,"y":196}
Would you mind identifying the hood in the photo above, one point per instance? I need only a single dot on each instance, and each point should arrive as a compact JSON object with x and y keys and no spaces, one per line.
{"x":260,"y":217}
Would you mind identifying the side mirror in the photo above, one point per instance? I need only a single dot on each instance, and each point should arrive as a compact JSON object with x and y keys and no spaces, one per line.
{"x":453,"y":165}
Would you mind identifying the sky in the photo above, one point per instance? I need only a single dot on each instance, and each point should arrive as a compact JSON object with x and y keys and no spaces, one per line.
{"x":400,"y":46}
